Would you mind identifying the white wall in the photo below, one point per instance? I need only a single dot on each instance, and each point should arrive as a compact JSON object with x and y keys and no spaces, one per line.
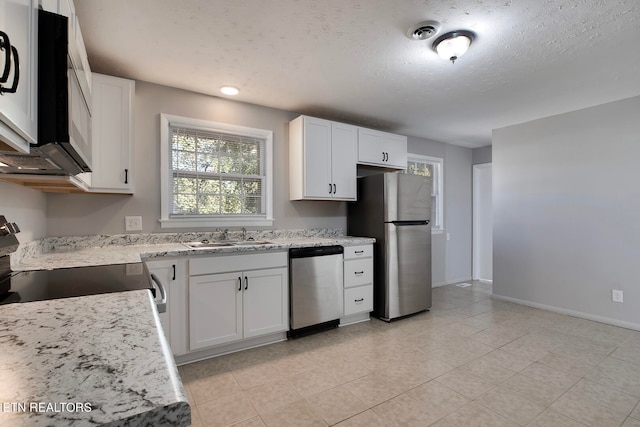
{"x":451,"y":259}
{"x":25,"y":207}
{"x":93,"y":214}
{"x":566,"y":205}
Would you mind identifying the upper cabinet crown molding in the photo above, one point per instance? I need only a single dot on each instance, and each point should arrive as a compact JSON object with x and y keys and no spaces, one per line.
{"x":18,"y":102}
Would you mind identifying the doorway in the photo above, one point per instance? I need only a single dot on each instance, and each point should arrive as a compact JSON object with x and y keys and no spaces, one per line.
{"x":482,"y":223}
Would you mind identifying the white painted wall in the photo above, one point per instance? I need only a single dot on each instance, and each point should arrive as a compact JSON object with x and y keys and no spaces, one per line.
{"x":457,"y":212}
{"x":25,"y":207}
{"x":93,"y":214}
{"x":566,"y":205}
{"x":482,"y":223}
{"x":451,"y":260}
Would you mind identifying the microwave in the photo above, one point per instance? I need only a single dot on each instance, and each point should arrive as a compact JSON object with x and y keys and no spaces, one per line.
{"x":63,"y":146}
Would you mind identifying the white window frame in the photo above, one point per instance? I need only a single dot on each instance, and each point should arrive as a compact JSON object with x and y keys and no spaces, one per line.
{"x":211,"y":220}
{"x":437,"y":227}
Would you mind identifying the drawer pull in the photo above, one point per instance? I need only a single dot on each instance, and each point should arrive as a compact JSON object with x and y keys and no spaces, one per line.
{"x":358,"y":272}
{"x":358,"y":300}
{"x":358,"y":252}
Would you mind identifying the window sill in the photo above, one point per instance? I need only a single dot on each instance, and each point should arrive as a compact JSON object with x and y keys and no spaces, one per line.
{"x":215,"y":222}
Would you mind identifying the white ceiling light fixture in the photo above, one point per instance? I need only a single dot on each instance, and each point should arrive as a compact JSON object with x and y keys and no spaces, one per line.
{"x":230,"y":90}
{"x":454,"y":44}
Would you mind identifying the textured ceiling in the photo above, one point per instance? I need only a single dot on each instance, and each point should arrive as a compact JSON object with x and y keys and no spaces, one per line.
{"x":352,"y":61}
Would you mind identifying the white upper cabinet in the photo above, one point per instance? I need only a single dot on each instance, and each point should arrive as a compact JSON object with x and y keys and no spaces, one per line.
{"x":18,"y":56}
{"x":322,"y":159}
{"x":385,"y":149}
{"x":112,"y":136}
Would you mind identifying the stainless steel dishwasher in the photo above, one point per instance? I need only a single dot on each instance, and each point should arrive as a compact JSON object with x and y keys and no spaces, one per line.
{"x":316,"y":288}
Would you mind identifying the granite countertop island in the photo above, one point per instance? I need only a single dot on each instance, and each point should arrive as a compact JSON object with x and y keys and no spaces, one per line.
{"x":93,"y":360}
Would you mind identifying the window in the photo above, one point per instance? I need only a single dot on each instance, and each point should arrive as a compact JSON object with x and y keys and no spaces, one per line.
{"x":430,"y":166}
{"x":214,"y":174}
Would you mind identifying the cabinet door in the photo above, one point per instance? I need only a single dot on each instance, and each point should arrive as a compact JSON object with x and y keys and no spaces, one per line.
{"x":370,"y":144}
{"x":395,"y":146}
{"x":265,"y":301}
{"x":172,"y":275}
{"x":112,"y":134}
{"x":215,"y":310}
{"x":317,"y":158}
{"x":18,"y":111}
{"x":382,"y":149}
{"x":344,"y":141}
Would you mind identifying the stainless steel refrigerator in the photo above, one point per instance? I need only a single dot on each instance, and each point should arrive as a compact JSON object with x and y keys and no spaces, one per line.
{"x":396,"y":210}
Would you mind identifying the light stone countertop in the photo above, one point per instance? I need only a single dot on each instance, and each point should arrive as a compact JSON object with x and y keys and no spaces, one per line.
{"x":106,"y":351}
{"x":122,"y":254}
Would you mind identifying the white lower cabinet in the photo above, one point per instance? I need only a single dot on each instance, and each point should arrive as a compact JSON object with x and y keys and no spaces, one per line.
{"x":358,"y":283}
{"x":172,"y":275}
{"x":215,"y":309}
{"x":358,"y":300}
{"x":243,"y":303}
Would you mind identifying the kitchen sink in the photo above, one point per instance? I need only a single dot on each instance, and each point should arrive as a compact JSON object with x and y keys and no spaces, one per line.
{"x":251,"y":243}
{"x":205,"y":244}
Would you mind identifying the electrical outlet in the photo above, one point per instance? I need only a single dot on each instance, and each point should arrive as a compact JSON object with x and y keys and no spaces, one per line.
{"x":133,"y":223}
{"x":448,"y":236}
{"x":616,"y":295}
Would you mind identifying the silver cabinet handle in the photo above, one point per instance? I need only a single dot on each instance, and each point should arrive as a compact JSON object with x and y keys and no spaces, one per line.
{"x":162,"y":305}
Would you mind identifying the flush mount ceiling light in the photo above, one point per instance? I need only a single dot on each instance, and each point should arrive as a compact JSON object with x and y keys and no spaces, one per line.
{"x":453,"y":45}
{"x":229,"y":90}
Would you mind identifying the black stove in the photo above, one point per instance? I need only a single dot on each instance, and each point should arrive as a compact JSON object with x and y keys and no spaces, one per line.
{"x":38,"y":285}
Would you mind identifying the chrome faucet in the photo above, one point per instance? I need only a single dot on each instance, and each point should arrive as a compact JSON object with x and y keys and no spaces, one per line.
{"x":225,"y":234}
{"x":244,"y":233}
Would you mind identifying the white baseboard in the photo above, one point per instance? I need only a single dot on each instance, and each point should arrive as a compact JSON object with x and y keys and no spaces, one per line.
{"x":580,"y":314}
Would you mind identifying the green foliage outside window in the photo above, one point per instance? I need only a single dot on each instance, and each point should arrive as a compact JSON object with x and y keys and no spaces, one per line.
{"x":216,"y":174}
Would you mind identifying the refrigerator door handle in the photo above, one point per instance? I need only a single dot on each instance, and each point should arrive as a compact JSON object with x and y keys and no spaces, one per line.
{"x":409,"y":223}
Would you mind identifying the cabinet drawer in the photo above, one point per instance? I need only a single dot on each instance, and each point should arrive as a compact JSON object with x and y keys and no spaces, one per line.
{"x":358,"y":300}
{"x":237,"y":262}
{"x":354,"y":252}
{"x":358,"y":272}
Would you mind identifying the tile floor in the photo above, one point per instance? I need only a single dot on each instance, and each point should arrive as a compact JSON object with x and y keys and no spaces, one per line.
{"x":470,"y":361}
